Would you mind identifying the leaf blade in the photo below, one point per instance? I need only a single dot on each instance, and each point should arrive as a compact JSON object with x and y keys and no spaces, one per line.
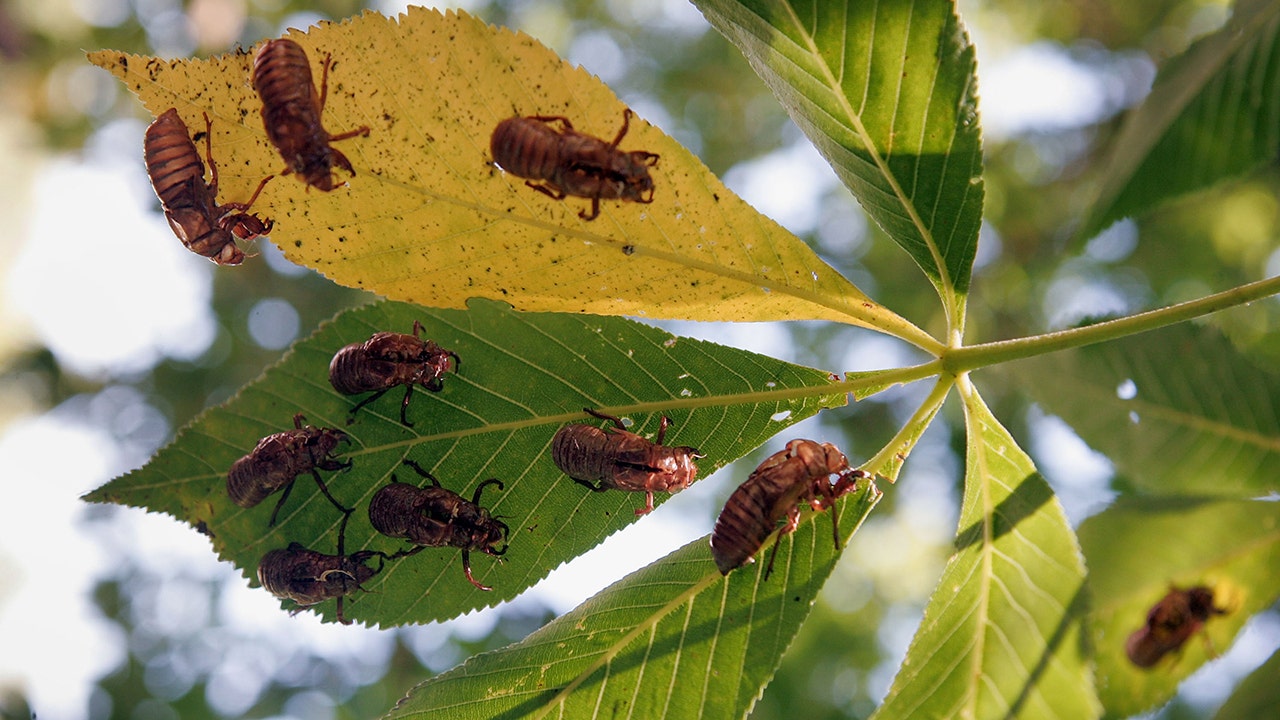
{"x":1001,"y":634}
{"x":1210,"y":116}
{"x":522,"y":377}
{"x":429,"y":219}
{"x":693,"y":637}
{"x":1140,"y":401}
{"x":1231,"y":546}
{"x":909,"y":149}
{"x":1256,"y":695}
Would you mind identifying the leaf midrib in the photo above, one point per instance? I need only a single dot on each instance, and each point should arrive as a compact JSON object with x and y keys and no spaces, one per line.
{"x":802,"y":393}
{"x":848,"y":305}
{"x":986,"y":554}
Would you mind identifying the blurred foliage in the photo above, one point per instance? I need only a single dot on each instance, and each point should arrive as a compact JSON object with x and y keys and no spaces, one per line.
{"x":1029,"y":277}
{"x":187,"y":675}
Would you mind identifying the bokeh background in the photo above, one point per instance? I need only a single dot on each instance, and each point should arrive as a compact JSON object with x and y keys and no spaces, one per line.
{"x":112,"y":336}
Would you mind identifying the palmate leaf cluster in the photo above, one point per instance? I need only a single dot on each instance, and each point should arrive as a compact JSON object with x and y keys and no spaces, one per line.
{"x":1029,"y":616}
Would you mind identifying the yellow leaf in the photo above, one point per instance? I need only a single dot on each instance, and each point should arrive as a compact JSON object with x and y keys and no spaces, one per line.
{"x":427,"y":217}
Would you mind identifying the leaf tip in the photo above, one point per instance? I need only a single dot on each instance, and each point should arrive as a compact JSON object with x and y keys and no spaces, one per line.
{"x":98,"y":497}
{"x":113,"y":61}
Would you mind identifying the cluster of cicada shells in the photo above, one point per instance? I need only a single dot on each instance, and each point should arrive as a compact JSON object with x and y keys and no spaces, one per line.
{"x":555,"y":160}
{"x":599,"y":458}
{"x":563,"y":160}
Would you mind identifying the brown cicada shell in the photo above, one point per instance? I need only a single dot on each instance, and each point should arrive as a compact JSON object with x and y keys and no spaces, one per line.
{"x":191,"y":205}
{"x":279,"y":459}
{"x":389,"y":359}
{"x":571,"y":163}
{"x":291,"y":111}
{"x":1179,"y":615}
{"x":438,"y":517}
{"x":799,"y":474}
{"x":308,"y":577}
{"x":616,"y":458}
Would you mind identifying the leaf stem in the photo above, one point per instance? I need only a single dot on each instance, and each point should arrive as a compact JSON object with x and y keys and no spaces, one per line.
{"x":889,"y":460}
{"x":963,"y":359}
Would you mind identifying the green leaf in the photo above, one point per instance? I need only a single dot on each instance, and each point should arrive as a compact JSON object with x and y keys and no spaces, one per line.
{"x":672,"y":640}
{"x":1256,"y":695}
{"x":1139,"y":547}
{"x":428,"y":218}
{"x":1211,"y":115}
{"x":522,"y":377}
{"x":887,"y":92}
{"x":1177,"y":410}
{"x":1001,"y":636}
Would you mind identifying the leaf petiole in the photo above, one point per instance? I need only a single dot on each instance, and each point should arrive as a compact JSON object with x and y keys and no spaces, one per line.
{"x":964,"y":359}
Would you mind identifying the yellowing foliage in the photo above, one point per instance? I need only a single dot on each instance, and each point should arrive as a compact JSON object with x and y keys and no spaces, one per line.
{"x":429,"y":219}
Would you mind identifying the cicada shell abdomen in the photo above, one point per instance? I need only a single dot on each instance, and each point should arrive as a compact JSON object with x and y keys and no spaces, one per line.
{"x":527,"y":147}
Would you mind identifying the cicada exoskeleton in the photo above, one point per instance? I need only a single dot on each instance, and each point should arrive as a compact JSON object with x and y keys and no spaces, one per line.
{"x":291,"y":110}
{"x":801,"y":473}
{"x":308,"y":577}
{"x":568,"y":162}
{"x":1170,"y":622}
{"x":189,"y":203}
{"x":389,"y":359}
{"x":279,"y":459}
{"x":617,"y":458}
{"x":438,"y":517}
